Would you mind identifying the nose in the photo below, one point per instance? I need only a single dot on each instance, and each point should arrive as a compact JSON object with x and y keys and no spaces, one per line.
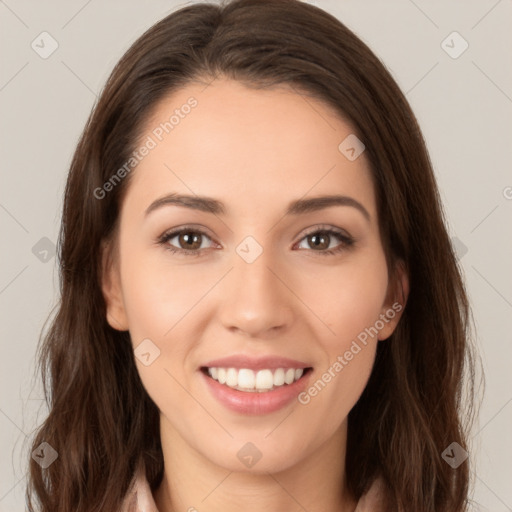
{"x":255,"y":299}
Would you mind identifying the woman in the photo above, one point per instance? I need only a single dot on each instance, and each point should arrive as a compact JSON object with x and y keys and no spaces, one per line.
{"x":260,"y":303}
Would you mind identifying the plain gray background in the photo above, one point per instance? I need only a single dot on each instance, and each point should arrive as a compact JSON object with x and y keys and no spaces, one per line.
{"x":464,"y":107}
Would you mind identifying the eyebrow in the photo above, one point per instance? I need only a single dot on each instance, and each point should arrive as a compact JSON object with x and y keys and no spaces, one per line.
{"x":297,"y":207}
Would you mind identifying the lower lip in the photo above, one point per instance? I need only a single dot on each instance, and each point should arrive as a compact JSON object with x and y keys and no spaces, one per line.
{"x":256,"y":402}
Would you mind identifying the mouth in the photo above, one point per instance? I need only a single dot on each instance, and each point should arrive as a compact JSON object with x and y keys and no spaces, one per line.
{"x":248,"y":380}
{"x":255,"y":385}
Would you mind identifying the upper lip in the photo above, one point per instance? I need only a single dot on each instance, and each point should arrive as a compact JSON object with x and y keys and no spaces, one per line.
{"x":255,"y":363}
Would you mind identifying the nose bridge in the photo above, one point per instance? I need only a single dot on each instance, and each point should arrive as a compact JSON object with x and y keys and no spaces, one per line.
{"x":254,"y":299}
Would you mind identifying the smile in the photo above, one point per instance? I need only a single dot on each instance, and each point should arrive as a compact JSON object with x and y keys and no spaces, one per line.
{"x":255,"y":385}
{"x":252,"y":381}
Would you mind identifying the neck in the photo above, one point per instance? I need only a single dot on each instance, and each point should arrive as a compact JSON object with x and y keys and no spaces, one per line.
{"x":191,"y":482}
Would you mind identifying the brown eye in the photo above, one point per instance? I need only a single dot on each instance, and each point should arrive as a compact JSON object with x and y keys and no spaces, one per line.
{"x":186,"y":241}
{"x":189,"y":240}
{"x":317,"y":241}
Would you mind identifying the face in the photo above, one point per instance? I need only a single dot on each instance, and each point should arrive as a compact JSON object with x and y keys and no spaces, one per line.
{"x":254,"y":317}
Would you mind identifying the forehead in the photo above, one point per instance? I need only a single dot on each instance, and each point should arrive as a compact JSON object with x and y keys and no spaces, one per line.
{"x":247,"y":147}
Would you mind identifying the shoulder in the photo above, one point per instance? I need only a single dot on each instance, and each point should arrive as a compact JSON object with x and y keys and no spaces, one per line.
{"x":373,"y":499}
{"x":139,"y":497}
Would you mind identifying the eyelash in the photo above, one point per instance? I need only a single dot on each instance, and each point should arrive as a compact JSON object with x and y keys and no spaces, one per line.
{"x":346,"y":241}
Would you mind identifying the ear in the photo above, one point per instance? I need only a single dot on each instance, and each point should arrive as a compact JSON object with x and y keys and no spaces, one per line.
{"x":396,"y":298}
{"x":111,"y":287}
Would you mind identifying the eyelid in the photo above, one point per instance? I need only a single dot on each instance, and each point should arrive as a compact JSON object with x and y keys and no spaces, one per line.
{"x":197,"y":228}
{"x":325,"y":227}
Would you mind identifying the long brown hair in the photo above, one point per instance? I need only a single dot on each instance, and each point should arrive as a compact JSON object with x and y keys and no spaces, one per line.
{"x":102,"y":422}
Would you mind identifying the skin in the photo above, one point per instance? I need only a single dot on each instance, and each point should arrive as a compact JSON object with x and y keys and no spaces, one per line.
{"x":256,"y":151}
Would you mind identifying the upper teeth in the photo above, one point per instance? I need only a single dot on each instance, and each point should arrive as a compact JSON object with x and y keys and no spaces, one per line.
{"x":248,"y":380}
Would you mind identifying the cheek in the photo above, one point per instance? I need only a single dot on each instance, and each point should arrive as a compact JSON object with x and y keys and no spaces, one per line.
{"x":160,"y":304}
{"x":347,"y":298}
{"x":159,"y":295}
{"x":335,"y":390}
{"x":163,"y":304}
{"x":349,"y":301}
